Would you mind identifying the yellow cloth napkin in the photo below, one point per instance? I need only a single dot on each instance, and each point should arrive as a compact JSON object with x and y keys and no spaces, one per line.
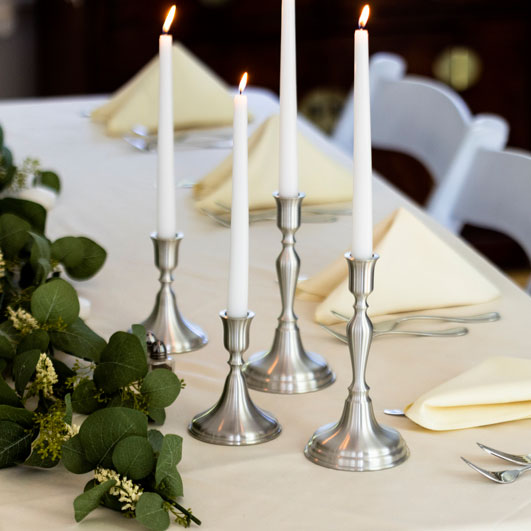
{"x":200,"y":98}
{"x":320,"y":178}
{"x":497,"y":390}
{"x":416,"y":271}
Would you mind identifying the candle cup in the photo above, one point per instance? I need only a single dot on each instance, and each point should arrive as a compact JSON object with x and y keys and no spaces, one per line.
{"x":287,"y":368}
{"x":234,"y":420}
{"x":165,"y":321}
{"x":357,"y":442}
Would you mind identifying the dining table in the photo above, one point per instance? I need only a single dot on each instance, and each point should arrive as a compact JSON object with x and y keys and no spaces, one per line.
{"x":109,"y":195}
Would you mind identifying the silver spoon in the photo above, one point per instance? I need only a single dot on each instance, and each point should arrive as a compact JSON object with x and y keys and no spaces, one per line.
{"x":450,"y":332}
{"x":393,"y":323}
{"x":503,"y":476}
{"x":513,"y":458}
{"x":395,"y":412}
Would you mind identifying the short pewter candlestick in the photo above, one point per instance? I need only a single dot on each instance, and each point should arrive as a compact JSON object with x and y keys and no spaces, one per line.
{"x":287,"y":368}
{"x":357,"y":442}
{"x":166,"y":322}
{"x":234,"y":420}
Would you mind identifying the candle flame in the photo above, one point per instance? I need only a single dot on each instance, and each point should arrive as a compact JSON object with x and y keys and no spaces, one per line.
{"x":169,"y":19}
{"x":243,"y":82}
{"x":364,"y":16}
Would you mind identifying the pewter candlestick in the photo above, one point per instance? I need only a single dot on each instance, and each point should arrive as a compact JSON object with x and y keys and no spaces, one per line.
{"x":234,"y":420}
{"x":165,"y":320}
{"x":287,"y":367}
{"x":357,"y":442}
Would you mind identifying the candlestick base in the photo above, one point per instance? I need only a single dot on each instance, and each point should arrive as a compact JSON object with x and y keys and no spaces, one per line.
{"x":287,"y":368}
{"x":166,"y":321}
{"x":234,"y":420}
{"x":357,"y":442}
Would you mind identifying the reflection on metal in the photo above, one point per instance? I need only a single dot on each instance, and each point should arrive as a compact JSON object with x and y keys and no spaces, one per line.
{"x":458,"y":66}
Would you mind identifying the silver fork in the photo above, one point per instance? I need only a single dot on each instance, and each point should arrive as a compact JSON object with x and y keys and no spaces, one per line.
{"x":503,"y":476}
{"x":524,"y":459}
{"x":450,"y":332}
{"x":387,"y":326}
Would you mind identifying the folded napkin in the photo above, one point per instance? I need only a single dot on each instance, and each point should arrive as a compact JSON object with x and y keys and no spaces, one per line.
{"x":200,"y":98}
{"x":320,"y":178}
{"x":497,"y":390}
{"x":416,"y":271}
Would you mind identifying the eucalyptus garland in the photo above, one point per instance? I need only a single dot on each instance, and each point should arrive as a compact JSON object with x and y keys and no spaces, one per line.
{"x":134,"y":467}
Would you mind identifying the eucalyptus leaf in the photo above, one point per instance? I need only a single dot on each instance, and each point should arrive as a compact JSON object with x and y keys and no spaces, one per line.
{"x":13,"y":234}
{"x":150,"y":512}
{"x":68,"y":251}
{"x":39,"y":249}
{"x":8,"y":396}
{"x":79,"y":340}
{"x":38,"y":339}
{"x":18,"y":415}
{"x":83,"y":398}
{"x":7,"y":348}
{"x":68,"y":410}
{"x":15,"y":443}
{"x":73,"y":456}
{"x":122,"y":362}
{"x":133,"y":457}
{"x":37,"y":460}
{"x":93,"y":259}
{"x":155,"y":438}
{"x":56,"y":301}
{"x":161,"y":387}
{"x":24,"y":368}
{"x":104,"y":428}
{"x":140,"y":332}
{"x":33,"y":213}
{"x":49,"y":179}
{"x":90,"y":499}
{"x":166,"y":475}
{"x":62,"y":369}
{"x":157,"y":415}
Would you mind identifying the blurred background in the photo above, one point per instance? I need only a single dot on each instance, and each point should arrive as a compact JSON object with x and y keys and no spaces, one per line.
{"x":478,"y":47}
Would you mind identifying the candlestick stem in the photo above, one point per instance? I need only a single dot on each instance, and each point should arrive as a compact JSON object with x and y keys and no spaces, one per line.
{"x":287,"y":368}
{"x":357,"y":442}
{"x":166,"y":321}
{"x":234,"y":420}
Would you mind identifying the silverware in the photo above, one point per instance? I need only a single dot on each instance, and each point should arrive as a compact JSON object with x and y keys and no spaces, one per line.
{"x":513,"y":458}
{"x":395,"y":412}
{"x":387,"y":326}
{"x":503,"y":476}
{"x":450,"y":332}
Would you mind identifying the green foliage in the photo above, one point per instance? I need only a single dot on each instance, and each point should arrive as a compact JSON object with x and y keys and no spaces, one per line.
{"x":55,"y":302}
{"x":14,"y":233}
{"x":24,"y":368}
{"x":90,"y":499}
{"x":150,"y":512}
{"x":81,"y":257}
{"x":133,"y":457}
{"x":49,"y":179}
{"x":167,"y":478}
{"x":79,"y":340}
{"x":15,"y":443}
{"x":161,"y":387}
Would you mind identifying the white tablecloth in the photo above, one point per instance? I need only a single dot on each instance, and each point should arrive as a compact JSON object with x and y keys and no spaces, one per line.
{"x":109,"y":195}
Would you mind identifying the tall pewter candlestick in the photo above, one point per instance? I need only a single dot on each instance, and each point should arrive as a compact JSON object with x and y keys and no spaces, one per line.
{"x":287,"y":368}
{"x":165,"y":321}
{"x":357,"y":442}
{"x":234,"y":420}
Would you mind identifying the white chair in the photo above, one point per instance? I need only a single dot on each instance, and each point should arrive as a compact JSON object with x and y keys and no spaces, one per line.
{"x":497,"y":195}
{"x":427,"y":120}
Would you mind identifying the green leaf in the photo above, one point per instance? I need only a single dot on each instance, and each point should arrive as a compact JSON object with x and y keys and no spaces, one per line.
{"x":155,"y":438}
{"x":18,"y":415}
{"x":49,"y":179}
{"x":150,"y":512}
{"x":90,"y":499}
{"x":157,"y":415}
{"x":122,"y":362}
{"x":38,"y":339}
{"x":166,"y":476}
{"x":24,"y":368}
{"x":68,"y":251}
{"x":83,"y":398}
{"x":35,"y":459}
{"x":79,"y":340}
{"x":8,"y":396}
{"x":133,"y":457}
{"x":140,"y":332}
{"x":33,"y":213}
{"x":68,"y":410}
{"x":3,"y":365}
{"x":56,"y":300}
{"x":40,"y":257}
{"x":7,"y":348}
{"x":13,"y":234}
{"x":104,"y":428}
{"x":93,"y":259}
{"x":73,"y":456}
{"x":161,"y":387}
{"x":62,"y":369}
{"x":15,"y":443}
